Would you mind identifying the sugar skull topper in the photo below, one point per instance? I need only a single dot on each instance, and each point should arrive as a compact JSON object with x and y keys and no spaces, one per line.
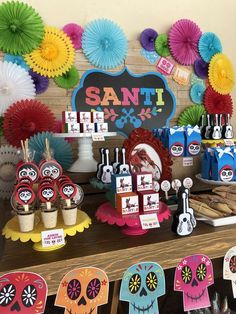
{"x":22,"y":292}
{"x":82,"y":290}
{"x":141,"y":285}
{"x":229,"y":268}
{"x":226,"y":173}
{"x":193,"y":275}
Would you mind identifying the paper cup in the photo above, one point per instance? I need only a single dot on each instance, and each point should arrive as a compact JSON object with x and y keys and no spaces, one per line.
{"x":49,"y":217}
{"x":26,"y":221}
{"x":69,"y":215}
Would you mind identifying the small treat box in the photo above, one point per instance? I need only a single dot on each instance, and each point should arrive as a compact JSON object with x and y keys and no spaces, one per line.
{"x":69,"y":117}
{"x":222,"y":165}
{"x":193,"y":140}
{"x":101,"y":127}
{"x":142,"y":181}
{"x":206,"y":164}
{"x":87,"y":128}
{"x":97,"y":116}
{"x":127,"y":203}
{"x":148,"y":200}
{"x":72,"y":128}
{"x":121,"y":183}
{"x":176,"y":141}
{"x":84,"y":117}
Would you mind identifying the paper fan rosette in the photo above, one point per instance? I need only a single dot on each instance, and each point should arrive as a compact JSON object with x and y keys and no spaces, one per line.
{"x":9,"y":158}
{"x":201,"y":68}
{"x":147,"y":39}
{"x":75,"y":32}
{"x":26,"y":118}
{"x":183,"y":41}
{"x":161,"y":45}
{"x":69,"y":79}
{"x":217,"y":103}
{"x":54,"y":56}
{"x":196,"y":93}
{"x":61,"y":149}
{"x":221,"y":74}
{"x":41,"y":83}
{"x":104,"y":44}
{"x":15,"y":84}
{"x":209,"y":44}
{"x":191,"y":115}
{"x":17,"y":60}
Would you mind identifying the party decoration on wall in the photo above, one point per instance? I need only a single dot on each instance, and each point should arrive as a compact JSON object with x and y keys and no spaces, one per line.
{"x":104,"y":44}
{"x":75,"y":32}
{"x":18,"y":60}
{"x":1,"y":126}
{"x":221,"y":74}
{"x":183,"y":41}
{"x":181,"y":75}
{"x":161,"y":45}
{"x":83,"y":290}
{"x":54,"y":56}
{"x":22,"y":292}
{"x":62,"y":150}
{"x":128,"y":100}
{"x":150,"y":56}
{"x":201,"y":68}
{"x":41,"y":83}
{"x":197,"y":92}
{"x":147,"y":39}
{"x":165,"y":66}
{"x":69,"y":79}
{"x":217,"y":103}
{"x":141,"y":285}
{"x":21,"y":28}
{"x":16,"y":84}
{"x":193,"y":276}
{"x":191,"y":115}
{"x":209,"y":44}
{"x":9,"y":158}
{"x":229,"y":268}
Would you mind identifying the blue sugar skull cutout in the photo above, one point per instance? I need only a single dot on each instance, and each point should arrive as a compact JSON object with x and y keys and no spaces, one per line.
{"x":141,"y":285}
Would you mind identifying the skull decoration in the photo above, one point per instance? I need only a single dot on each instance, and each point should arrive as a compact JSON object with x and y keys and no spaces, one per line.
{"x":141,"y":285}
{"x":229,"y":268}
{"x":226,"y":173}
{"x":192,"y":276}
{"x":177,"y":149}
{"x":194,"y":148}
{"x":51,"y":169}
{"x":22,"y":292}
{"x":82,"y":290}
{"x":28,"y":170}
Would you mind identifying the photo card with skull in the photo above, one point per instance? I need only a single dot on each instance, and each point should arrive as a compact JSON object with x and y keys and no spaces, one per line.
{"x":229,"y":268}
{"x":141,"y":285}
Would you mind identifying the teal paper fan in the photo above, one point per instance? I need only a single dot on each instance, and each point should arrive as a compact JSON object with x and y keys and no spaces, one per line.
{"x":69,"y":79}
{"x":104,"y":44}
{"x":18,"y":60}
{"x":191,"y":115}
{"x":209,"y":44}
{"x":21,"y":28}
{"x":61,"y":149}
{"x":196,"y":93}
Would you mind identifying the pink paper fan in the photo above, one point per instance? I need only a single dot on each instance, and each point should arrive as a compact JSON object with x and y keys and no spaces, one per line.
{"x":75,"y":32}
{"x":183,"y":41}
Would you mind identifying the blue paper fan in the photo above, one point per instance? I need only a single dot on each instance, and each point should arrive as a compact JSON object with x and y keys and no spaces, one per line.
{"x":17,"y":60}
{"x":196,"y":93}
{"x":209,"y":44}
{"x":62,"y":150}
{"x":104,"y":43}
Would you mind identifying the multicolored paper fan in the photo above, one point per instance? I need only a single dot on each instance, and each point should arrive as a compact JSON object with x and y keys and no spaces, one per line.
{"x":183,"y":41}
{"x":15,"y":84}
{"x":221,"y":74}
{"x":62,"y":150}
{"x":161,"y":45}
{"x":75,"y":32}
{"x":191,"y":115}
{"x":104,"y":44}
{"x":26,"y":118}
{"x":41,"y":83}
{"x":201,"y":68}
{"x":18,"y":60}
{"x":217,"y":103}
{"x":196,"y":93}
{"x":209,"y":44}
{"x":9,"y":158}
{"x":54,"y":56}
{"x":21,"y":28}
{"x":147,"y":39}
{"x":69,"y":79}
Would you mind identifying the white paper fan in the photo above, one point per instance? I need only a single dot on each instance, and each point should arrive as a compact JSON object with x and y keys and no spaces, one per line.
{"x":9,"y":157}
{"x":15,"y":84}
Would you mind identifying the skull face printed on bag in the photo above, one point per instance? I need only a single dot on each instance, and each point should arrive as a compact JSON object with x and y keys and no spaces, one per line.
{"x":226,"y":173}
{"x":177,"y":149}
{"x":193,"y":275}
{"x":194,"y":148}
{"x":82,"y":290}
{"x":141,"y":285}
{"x":22,"y":292}
{"x":229,"y":268}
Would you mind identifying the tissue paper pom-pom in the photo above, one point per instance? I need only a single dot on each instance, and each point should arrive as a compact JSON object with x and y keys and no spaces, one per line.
{"x":75,"y":32}
{"x":41,"y":83}
{"x":18,"y":60}
{"x":196,"y":93}
{"x":191,"y":115}
{"x":183,"y":41}
{"x":209,"y":44}
{"x":104,"y":44}
{"x":201,"y":68}
{"x":161,"y":45}
{"x":147,"y":39}
{"x":217,"y":103}
{"x":69,"y":79}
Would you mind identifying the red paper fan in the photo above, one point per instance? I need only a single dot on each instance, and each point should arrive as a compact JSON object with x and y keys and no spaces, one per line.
{"x":217,"y":103}
{"x":26,"y":118}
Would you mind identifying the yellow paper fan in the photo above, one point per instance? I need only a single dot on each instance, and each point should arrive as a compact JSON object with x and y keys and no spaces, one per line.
{"x":54,"y":56}
{"x":221,"y":74}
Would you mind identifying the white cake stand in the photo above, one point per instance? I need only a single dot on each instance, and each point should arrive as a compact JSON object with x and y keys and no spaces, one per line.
{"x":85,"y":161}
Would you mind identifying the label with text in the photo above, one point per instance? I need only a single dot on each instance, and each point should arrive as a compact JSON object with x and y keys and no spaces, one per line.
{"x":52,"y":237}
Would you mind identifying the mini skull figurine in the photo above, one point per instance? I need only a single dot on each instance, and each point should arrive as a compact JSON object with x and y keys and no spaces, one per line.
{"x":229,"y":268}
{"x":82,"y":290}
{"x":192,"y":276}
{"x":22,"y":292}
{"x":141,"y":285}
{"x":226,"y":173}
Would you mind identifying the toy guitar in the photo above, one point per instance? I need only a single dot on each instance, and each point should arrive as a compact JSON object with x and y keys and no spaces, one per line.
{"x":207,"y":128}
{"x":216,"y":131}
{"x":107,"y":169}
{"x":116,"y":163}
{"x":227,"y":130}
{"x":190,"y":210}
{"x":101,"y":164}
{"x":123,"y":168}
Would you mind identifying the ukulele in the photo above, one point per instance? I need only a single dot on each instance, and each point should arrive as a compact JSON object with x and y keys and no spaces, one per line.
{"x":102,"y":163}
{"x":107,"y":169}
{"x":190,"y":210}
{"x":116,"y":163}
{"x":123,"y":168}
{"x":207,"y":128}
{"x":227,"y":130}
{"x":216,"y":131}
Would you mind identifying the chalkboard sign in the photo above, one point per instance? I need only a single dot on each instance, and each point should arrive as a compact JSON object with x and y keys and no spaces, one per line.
{"x":128,"y":100}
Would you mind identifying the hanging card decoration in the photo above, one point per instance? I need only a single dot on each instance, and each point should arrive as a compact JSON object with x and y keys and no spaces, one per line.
{"x":165,"y":66}
{"x":193,"y":276}
{"x":181,"y":75}
{"x":82,"y":290}
{"x":229,"y":268}
{"x":22,"y":292}
{"x":141,"y":285}
{"x":151,"y":56}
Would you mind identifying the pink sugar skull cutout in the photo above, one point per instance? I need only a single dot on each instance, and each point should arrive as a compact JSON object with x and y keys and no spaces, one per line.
{"x":193,"y":275}
{"x":22,"y":292}
{"x":229,"y":268}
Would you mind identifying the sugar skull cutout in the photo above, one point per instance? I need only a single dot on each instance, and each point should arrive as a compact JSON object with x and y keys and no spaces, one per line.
{"x":194,"y":148}
{"x":141,"y":285}
{"x":193,"y":275}
{"x":177,"y":149}
{"x":82,"y":290}
{"x":226,"y":173}
{"x":51,"y":169}
{"x":229,"y":268}
{"x":27,"y":170}
{"x":22,"y":292}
